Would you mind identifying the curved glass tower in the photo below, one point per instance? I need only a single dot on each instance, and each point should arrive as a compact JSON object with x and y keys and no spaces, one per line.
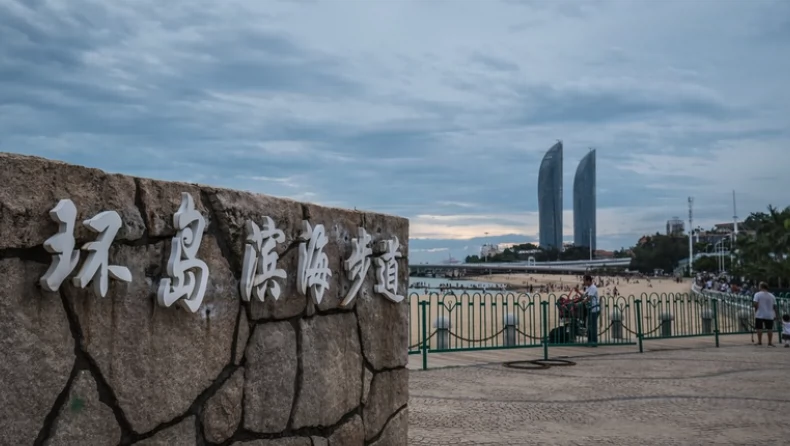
{"x":550,"y":198}
{"x":584,"y":203}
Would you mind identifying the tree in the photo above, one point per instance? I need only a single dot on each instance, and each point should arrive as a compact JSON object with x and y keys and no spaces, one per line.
{"x":658,"y":252}
{"x":765,"y":253}
{"x":710,"y":264}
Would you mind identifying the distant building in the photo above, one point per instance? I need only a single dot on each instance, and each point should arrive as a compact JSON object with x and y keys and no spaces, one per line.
{"x":603,"y":254}
{"x":675,"y":227}
{"x":550,"y":198}
{"x":489,"y":250}
{"x":584,"y":203}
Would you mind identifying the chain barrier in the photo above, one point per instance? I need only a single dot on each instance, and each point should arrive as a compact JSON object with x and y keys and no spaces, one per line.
{"x":461,"y":338}
{"x":528,"y":336}
{"x":625,"y":327}
{"x":411,"y":347}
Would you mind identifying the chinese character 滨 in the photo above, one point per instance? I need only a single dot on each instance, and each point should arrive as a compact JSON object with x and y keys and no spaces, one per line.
{"x":313,"y":269}
{"x":260,"y":261}
{"x":187,"y":276}
{"x":387,"y":271}
{"x":358,"y":264}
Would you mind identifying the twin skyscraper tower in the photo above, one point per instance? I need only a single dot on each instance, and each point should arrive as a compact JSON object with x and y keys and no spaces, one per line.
{"x":550,"y":200}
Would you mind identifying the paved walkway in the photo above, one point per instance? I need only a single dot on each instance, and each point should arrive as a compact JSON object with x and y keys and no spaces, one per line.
{"x":738,"y":394}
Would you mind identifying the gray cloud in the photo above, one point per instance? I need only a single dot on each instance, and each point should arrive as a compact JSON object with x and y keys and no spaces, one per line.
{"x":445,"y":124}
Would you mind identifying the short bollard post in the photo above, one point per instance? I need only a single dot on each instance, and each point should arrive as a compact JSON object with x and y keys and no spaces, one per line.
{"x":707,"y":321}
{"x":617,"y":324}
{"x":442,"y":325}
{"x":511,"y":321}
{"x":666,"y":319}
{"x":745,"y":321}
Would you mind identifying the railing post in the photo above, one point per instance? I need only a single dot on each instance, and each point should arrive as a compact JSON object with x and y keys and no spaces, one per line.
{"x":716,"y":320}
{"x":544,"y":307}
{"x":423,"y":311}
{"x":639,"y":335}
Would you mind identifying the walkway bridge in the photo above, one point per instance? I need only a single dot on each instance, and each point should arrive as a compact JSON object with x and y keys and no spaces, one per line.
{"x":562,"y":266}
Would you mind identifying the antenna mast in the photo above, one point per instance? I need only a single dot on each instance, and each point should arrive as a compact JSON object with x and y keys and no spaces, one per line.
{"x":691,"y":232}
{"x":734,"y":219}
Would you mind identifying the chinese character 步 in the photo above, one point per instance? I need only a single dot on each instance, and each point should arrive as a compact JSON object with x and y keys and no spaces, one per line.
{"x":313,"y":268}
{"x":260,"y":261}
{"x":187,"y":276}
{"x":358,"y":264}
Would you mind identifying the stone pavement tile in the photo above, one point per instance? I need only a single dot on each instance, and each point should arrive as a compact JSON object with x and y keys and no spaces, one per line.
{"x":702,"y":396}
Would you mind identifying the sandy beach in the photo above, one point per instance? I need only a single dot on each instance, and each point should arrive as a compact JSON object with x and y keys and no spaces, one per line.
{"x":561,"y":284}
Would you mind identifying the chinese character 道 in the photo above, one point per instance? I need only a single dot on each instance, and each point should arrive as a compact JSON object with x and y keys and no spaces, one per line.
{"x":387,"y":271}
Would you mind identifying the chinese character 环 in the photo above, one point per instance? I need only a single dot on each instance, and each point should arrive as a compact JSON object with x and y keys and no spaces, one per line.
{"x":387,"y":271}
{"x":187,"y":276}
{"x":313,"y":269}
{"x":61,"y":245}
{"x":358,"y":264}
{"x":260,"y":261}
{"x":96,"y":268}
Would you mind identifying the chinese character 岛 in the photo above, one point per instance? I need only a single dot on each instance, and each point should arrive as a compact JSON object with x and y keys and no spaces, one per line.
{"x":387,"y":271}
{"x":313,"y":269}
{"x":260,"y":261}
{"x":187,"y":275}
{"x":358,"y":264}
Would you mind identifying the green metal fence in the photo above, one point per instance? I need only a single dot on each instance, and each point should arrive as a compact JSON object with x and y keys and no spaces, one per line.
{"x":461,"y":321}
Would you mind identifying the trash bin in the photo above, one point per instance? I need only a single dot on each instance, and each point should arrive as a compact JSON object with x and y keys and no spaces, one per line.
{"x":442,"y":325}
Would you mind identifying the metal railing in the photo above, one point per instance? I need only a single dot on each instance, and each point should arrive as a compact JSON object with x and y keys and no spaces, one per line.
{"x":463,"y":321}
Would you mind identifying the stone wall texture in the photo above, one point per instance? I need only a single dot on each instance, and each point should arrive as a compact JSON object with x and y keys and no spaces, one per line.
{"x":78,"y":369}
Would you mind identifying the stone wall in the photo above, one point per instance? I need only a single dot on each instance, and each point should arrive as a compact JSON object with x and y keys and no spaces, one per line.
{"x":80,"y":369}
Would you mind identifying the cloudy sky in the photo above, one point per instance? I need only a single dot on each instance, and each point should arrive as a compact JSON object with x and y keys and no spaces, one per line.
{"x":439,"y":111}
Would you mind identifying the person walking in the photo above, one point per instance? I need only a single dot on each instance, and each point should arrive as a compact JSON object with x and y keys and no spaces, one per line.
{"x":764,"y":313}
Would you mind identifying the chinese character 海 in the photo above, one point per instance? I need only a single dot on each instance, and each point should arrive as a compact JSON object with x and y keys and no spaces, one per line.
{"x":97,"y":268}
{"x":260,"y":261}
{"x":187,"y":276}
{"x":387,"y":271}
{"x":358,"y":264}
{"x":313,"y":269}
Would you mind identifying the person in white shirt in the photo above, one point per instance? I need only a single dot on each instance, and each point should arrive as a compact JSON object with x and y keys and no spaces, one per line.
{"x":764,"y":314}
{"x":786,"y":330}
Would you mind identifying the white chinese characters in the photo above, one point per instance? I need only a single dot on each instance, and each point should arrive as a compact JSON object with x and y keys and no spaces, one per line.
{"x":187,"y":276}
{"x":313,"y":267}
{"x":97,"y":268}
{"x":387,"y":271}
{"x":260,"y":261}
{"x":358,"y":264}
